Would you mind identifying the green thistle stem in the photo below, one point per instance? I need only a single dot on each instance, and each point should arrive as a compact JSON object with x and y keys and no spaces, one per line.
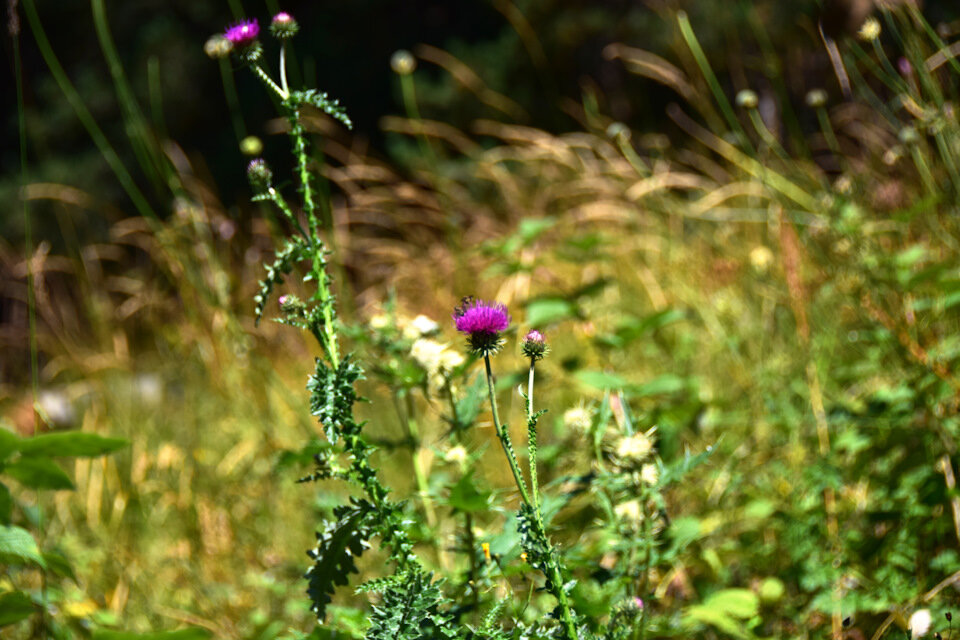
{"x":267,"y":80}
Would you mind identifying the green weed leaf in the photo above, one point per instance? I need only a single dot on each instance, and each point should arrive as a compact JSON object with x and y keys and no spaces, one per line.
{"x":39,"y":473}
{"x":17,"y":546}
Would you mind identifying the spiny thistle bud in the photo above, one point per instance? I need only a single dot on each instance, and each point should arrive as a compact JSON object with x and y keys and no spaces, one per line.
{"x":290,"y":303}
{"x":747,"y":99}
{"x":483,"y":322}
{"x":403,"y":63}
{"x":259,"y":175}
{"x":283,"y":26}
{"x":534,"y":345}
{"x":217,"y":47}
{"x":816,"y":98}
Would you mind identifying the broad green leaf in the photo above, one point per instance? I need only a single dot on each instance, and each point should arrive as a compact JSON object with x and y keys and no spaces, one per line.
{"x":600,"y":380}
{"x":58,"y":564}
{"x":6,"y":504}
{"x":548,"y":310}
{"x":193,"y":633}
{"x":71,"y":443}
{"x":465,"y":496}
{"x":739,"y":603}
{"x":14,"y":607}
{"x":727,"y":610}
{"x":39,"y":473}
{"x":667,"y":383}
{"x":17,"y":546}
{"x":9,"y":443}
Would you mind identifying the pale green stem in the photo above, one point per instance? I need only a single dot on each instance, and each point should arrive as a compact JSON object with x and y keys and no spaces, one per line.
{"x":504,"y":437}
{"x":532,"y":443}
{"x":283,"y":68}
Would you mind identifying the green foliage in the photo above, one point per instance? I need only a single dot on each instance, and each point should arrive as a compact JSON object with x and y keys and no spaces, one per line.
{"x":410,"y":610}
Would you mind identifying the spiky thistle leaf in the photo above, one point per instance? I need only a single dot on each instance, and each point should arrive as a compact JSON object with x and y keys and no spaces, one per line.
{"x":338,"y":545}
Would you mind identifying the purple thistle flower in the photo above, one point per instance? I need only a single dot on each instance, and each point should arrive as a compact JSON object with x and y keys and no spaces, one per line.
{"x":483,"y":322}
{"x":282,"y":17}
{"x":243,"y":33}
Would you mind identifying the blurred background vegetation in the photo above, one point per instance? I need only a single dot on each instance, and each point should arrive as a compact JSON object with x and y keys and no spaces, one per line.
{"x":760,"y":275}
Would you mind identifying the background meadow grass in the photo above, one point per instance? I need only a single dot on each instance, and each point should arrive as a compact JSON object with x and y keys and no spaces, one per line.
{"x":789,"y":298}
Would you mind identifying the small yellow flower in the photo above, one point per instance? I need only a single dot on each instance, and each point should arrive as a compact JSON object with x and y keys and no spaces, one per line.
{"x":486,"y":551}
{"x":523,"y":557}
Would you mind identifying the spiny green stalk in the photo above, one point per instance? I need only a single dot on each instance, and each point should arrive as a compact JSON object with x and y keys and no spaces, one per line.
{"x":552,"y":564}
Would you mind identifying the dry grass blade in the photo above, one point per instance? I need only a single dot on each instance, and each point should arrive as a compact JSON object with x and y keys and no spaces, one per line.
{"x":652,"y":66}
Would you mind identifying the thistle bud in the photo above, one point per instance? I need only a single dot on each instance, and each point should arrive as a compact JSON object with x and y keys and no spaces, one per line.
{"x":403,"y":63}
{"x":747,"y":99}
{"x":534,"y":345}
{"x":870,"y":30}
{"x":290,"y":303}
{"x":816,"y":98}
{"x":251,"y":146}
{"x":259,"y":175}
{"x":283,"y":26}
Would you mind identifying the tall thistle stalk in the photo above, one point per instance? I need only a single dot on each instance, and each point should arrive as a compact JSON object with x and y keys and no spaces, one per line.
{"x":483,"y":323}
{"x":332,"y":386}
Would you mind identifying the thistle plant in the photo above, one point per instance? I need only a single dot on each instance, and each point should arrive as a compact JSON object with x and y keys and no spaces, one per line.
{"x":412,"y":603}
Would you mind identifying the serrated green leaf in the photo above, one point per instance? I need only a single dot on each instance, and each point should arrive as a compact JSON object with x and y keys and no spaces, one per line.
{"x":17,"y":546}
{"x":39,"y":473}
{"x":70,"y":443}
{"x":193,"y":633}
{"x":14,"y":607}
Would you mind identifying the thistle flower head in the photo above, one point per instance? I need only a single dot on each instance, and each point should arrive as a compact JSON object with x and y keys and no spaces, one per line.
{"x":634,"y":449}
{"x":483,"y":322}
{"x":243,"y":33}
{"x":534,"y":345}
